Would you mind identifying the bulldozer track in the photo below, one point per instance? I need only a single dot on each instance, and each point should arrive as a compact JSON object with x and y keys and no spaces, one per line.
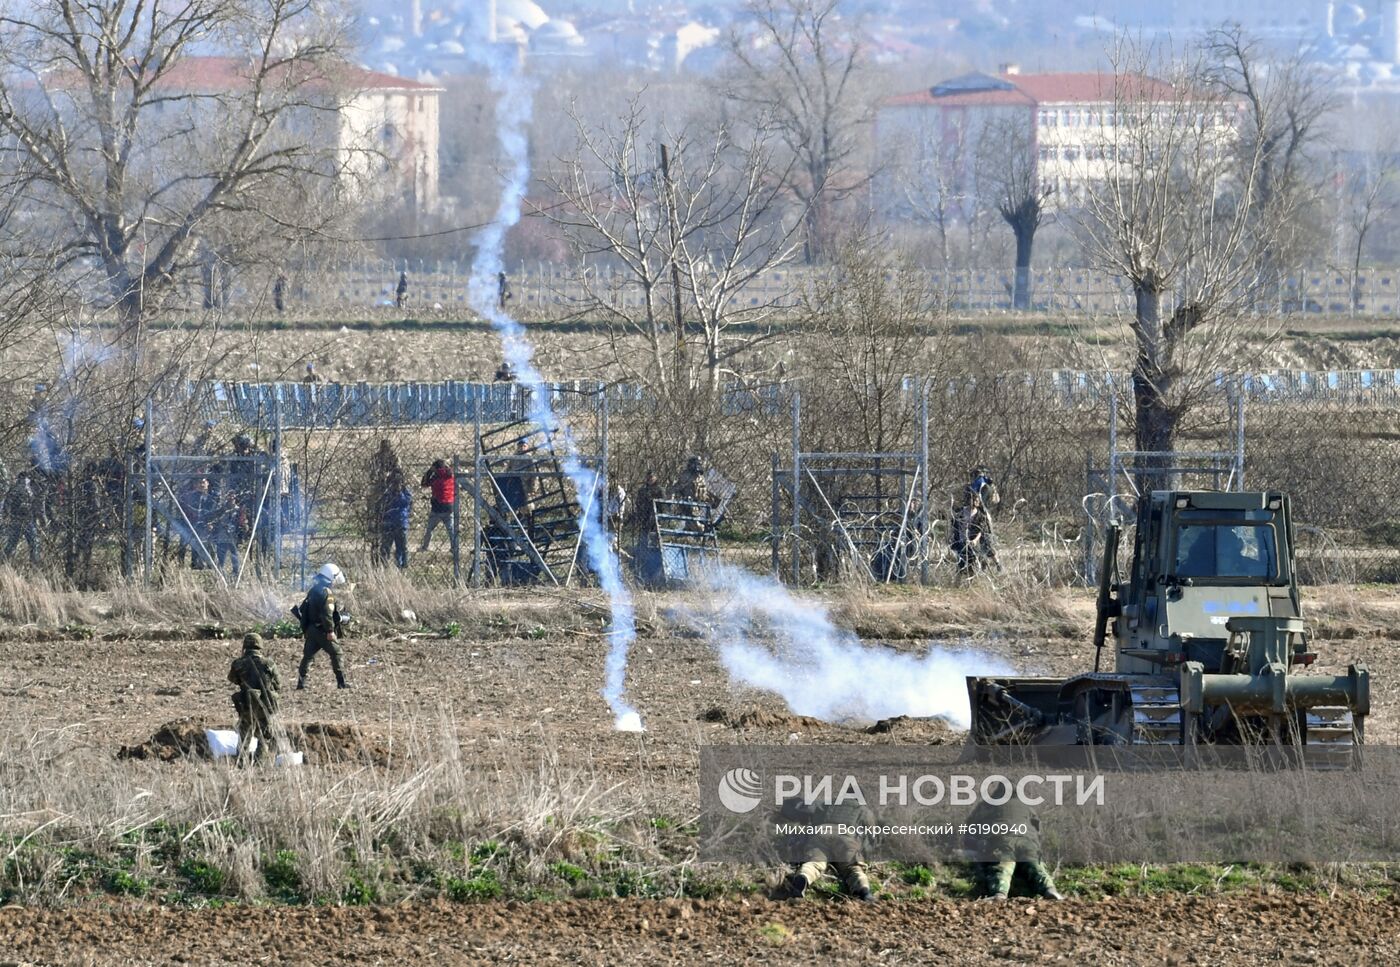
{"x":1157,"y":715}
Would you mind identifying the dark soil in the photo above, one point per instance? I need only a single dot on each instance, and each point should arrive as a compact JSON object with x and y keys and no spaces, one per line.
{"x":1343,"y":930}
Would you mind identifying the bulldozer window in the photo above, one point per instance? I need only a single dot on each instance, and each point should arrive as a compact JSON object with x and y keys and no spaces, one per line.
{"x":1221,"y":550}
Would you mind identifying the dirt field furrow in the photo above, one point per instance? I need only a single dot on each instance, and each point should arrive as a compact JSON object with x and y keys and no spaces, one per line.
{"x":1344,"y":930}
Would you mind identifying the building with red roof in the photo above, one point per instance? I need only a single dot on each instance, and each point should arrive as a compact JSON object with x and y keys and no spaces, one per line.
{"x":934,"y":137}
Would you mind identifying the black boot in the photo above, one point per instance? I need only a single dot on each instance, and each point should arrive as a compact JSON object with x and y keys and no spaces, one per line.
{"x":340,"y":681}
{"x":796,"y":886}
{"x":301,"y":682}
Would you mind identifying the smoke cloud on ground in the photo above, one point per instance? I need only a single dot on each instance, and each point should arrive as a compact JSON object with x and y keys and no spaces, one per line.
{"x":824,"y":671}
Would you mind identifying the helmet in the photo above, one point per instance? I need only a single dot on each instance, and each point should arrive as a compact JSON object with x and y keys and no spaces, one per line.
{"x":252,"y":642}
{"x":696,"y":464}
{"x":331,"y":574}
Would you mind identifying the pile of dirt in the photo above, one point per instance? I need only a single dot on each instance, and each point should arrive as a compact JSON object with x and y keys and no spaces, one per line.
{"x":173,"y":740}
{"x":322,"y":742}
{"x":757,"y":718}
{"x":336,"y":742}
{"x":930,"y":731}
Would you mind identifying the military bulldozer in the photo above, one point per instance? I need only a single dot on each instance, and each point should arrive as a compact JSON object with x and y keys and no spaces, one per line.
{"x":1208,"y":639}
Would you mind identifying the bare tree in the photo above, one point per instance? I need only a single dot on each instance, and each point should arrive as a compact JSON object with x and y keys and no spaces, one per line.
{"x":672,"y":229}
{"x":867,"y":325}
{"x":145,"y":158}
{"x":1010,"y":177}
{"x":800,"y":71}
{"x":939,"y":185}
{"x":1370,"y":196}
{"x":1284,"y":100}
{"x":1172,"y":211}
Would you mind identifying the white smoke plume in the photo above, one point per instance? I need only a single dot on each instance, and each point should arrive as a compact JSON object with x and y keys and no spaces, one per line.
{"x":513,"y":111}
{"x":824,"y":671}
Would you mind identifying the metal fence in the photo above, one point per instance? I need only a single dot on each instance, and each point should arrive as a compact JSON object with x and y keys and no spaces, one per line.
{"x":270,"y":479}
{"x":550,"y":289}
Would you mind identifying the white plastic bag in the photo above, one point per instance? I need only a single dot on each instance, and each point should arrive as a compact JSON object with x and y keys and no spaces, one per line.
{"x":223,"y":743}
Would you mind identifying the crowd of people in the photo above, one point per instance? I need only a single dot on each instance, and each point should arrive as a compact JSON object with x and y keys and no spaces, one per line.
{"x":517,"y":485}
{"x":224,"y":502}
{"x":215,"y":505}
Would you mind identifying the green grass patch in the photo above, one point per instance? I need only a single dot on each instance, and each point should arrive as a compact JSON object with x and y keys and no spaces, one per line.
{"x":204,"y":878}
{"x":484,"y":886}
{"x":914,"y":874}
{"x":282,"y":877}
{"x":568,"y":872}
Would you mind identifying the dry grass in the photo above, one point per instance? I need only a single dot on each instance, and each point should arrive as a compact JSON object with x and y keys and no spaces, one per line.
{"x":74,"y":821}
{"x":28,"y":599}
{"x":382,"y":599}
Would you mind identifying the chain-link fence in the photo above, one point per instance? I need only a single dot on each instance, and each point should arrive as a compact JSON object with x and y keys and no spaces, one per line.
{"x":1338,"y":459}
{"x":452,"y":484}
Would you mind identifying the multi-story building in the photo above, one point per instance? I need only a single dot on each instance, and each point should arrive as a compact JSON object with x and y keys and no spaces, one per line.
{"x":935,"y":139}
{"x":379,"y":132}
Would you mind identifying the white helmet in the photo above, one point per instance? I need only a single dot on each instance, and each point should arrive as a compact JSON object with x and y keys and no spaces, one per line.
{"x":331,"y":574}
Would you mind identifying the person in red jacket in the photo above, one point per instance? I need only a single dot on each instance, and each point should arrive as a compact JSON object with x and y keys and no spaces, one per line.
{"x":444,"y":499}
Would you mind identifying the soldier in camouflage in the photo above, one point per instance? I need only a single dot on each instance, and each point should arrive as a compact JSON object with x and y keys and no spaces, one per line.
{"x":817,"y":853}
{"x":321,"y":624}
{"x":256,"y":700}
{"x":1004,"y":854}
{"x":692,"y":486}
{"x":972,"y":535}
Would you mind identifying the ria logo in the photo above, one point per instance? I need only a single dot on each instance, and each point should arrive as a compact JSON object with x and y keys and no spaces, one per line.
{"x":740,"y":790}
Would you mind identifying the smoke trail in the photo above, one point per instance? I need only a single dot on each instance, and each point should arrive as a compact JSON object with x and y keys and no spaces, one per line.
{"x":824,"y":671}
{"x":513,"y":110}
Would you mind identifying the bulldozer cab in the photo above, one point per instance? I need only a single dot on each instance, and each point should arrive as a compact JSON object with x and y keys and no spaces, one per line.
{"x":1199,"y":559}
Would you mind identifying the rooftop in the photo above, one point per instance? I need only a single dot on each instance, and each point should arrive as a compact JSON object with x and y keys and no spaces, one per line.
{"x":228,"y":73}
{"x":1011,"y":90}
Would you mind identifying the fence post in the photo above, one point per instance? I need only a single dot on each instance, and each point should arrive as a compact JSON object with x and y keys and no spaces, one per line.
{"x":603,"y":441}
{"x":925,"y":492}
{"x":775,"y":517}
{"x":1090,"y":534}
{"x":1112,"y":437}
{"x":1239,"y":430}
{"x":796,"y":485}
{"x":278,"y":482}
{"x":476,"y":485}
{"x":147,"y":545}
{"x":456,"y":534}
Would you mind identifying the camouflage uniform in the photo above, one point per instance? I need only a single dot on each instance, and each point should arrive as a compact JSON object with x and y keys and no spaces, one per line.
{"x":692,"y":486}
{"x":819,"y":853}
{"x":320,"y":624}
{"x":1010,"y":852}
{"x":972,"y":536}
{"x":256,"y":700}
